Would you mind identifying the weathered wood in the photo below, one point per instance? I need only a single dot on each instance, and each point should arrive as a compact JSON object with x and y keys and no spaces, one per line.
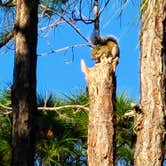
{"x":150,"y":135}
{"x":101,"y":82}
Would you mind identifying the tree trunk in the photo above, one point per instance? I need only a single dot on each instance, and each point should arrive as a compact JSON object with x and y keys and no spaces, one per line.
{"x":150,"y":135}
{"x":102,"y":92}
{"x":24,"y":83}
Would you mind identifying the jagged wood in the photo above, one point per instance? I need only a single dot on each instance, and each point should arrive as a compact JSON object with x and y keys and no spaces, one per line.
{"x":101,"y":82}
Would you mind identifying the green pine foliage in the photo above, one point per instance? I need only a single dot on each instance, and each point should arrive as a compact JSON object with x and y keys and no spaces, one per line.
{"x":68,"y":127}
{"x":125,"y":137}
{"x":62,"y":134}
{"x":5,"y":130}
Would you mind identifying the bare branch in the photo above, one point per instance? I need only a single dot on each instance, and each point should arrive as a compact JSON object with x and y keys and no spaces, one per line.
{"x":75,"y":28}
{"x":62,"y":16}
{"x":81,"y":17}
{"x":105,"y":5}
{"x":123,"y":6}
{"x":62,"y":107}
{"x":6,"y":39}
{"x":54,"y":24}
{"x":5,"y":113}
{"x":65,"y":48}
{"x":45,"y":8}
{"x":9,"y":109}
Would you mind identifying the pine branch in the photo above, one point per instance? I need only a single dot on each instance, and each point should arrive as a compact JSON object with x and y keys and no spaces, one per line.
{"x":6,"y":39}
{"x":8,"y":4}
{"x":9,"y":109}
{"x":5,"y":107}
{"x":62,"y":107}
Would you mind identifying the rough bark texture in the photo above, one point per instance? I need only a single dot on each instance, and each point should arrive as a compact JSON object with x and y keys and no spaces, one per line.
{"x":101,"y":133}
{"x":150,"y":135}
{"x":24,"y":83}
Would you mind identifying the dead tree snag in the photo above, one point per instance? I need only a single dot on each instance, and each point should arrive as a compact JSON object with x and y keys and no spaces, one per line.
{"x":101,"y":83}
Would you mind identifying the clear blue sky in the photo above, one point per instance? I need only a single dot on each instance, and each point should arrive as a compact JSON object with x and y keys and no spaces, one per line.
{"x":56,"y":74}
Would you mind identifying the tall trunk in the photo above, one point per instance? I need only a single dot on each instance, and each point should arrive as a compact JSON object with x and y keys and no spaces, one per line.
{"x":150,"y":135}
{"x":24,"y":83}
{"x":101,"y":133}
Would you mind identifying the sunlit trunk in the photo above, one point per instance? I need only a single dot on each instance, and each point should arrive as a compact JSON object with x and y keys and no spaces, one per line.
{"x":150,"y":125}
{"x":101,"y":82}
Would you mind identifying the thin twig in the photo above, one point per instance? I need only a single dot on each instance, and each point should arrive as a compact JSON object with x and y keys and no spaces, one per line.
{"x":54,"y":24}
{"x":76,"y":30}
{"x":123,"y":6}
{"x":64,"y":49}
{"x":105,"y":5}
{"x":67,"y":21}
{"x":81,"y":17}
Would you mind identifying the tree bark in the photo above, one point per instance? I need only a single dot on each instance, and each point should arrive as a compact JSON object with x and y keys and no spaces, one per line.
{"x":24,"y":83}
{"x":150,"y":134}
{"x":102,"y":92}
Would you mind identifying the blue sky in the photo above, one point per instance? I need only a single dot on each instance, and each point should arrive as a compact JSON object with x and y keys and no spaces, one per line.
{"x":56,"y":73}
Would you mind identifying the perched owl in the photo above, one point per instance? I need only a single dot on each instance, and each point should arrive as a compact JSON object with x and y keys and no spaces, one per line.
{"x":105,"y":48}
